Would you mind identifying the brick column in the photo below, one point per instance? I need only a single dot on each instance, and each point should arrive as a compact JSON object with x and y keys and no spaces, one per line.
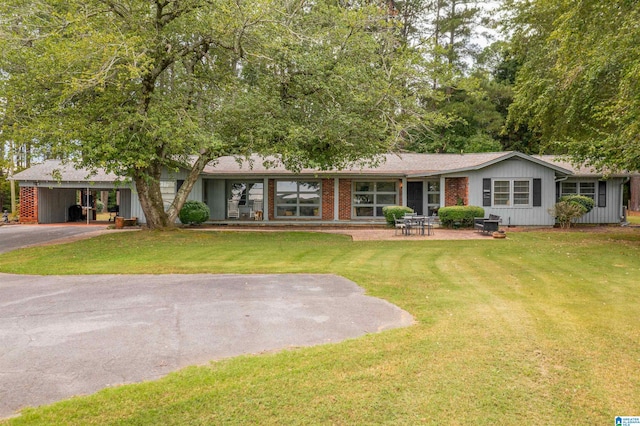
{"x":456,"y":189}
{"x":327,"y":199}
{"x":28,"y":204}
{"x":344,"y":203}
{"x":272,"y":195}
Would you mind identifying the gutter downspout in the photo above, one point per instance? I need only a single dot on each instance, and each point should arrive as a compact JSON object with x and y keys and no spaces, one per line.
{"x":558,"y":180}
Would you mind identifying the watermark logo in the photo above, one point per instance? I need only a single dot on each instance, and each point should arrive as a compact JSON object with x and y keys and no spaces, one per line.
{"x":627,"y":421}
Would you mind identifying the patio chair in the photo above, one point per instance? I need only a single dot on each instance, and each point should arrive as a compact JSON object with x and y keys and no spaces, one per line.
{"x":401,"y":225}
{"x":233,"y":211}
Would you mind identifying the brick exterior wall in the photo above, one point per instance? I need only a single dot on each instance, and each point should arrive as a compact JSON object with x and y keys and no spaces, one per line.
{"x":327,"y":199}
{"x":344,"y":203}
{"x":28,"y":204}
{"x":272,"y":194}
{"x":454,"y":189}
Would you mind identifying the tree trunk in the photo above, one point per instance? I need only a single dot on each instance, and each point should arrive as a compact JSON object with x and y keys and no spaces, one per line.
{"x":634,"y":194}
{"x":185,"y":189}
{"x":148,"y":187}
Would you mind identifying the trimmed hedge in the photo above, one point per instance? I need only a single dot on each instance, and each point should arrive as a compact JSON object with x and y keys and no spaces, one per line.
{"x":194,"y":213}
{"x":586,"y":203}
{"x":566,"y":212}
{"x":395,"y":212}
{"x":462,"y":215}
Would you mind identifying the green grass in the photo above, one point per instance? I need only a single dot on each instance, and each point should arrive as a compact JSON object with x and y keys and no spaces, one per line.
{"x":542,"y":328}
{"x":634,"y":218}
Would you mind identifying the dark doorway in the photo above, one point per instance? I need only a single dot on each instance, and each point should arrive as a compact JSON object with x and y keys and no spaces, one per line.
{"x":414,"y":196}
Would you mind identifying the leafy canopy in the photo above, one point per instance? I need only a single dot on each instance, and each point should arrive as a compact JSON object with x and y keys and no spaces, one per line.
{"x":579,"y":82}
{"x":137,"y":86}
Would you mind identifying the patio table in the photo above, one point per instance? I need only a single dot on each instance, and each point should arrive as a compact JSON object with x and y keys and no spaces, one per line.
{"x":418,"y":223}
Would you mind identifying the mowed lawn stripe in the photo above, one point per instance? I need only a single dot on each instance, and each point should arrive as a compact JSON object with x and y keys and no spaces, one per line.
{"x":536,"y":329}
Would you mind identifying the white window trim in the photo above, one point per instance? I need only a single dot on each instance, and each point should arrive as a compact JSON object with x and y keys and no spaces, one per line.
{"x":511,"y":204}
{"x":593,"y":195}
{"x":168,"y":192}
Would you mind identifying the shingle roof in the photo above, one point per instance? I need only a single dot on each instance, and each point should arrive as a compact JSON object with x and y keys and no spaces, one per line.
{"x":401,"y":164}
{"x":57,"y":171}
{"x":584,"y":171}
{"x":406,"y":164}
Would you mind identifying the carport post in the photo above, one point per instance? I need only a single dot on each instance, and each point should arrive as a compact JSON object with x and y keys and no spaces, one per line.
{"x":88,"y":206}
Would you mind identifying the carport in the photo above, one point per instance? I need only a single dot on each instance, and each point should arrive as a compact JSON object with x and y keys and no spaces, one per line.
{"x":55,"y":192}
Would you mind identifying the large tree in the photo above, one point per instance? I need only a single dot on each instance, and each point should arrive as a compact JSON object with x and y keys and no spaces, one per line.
{"x":579,"y":81}
{"x":138,"y":86}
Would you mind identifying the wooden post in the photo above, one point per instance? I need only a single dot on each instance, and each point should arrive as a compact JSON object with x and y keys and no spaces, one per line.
{"x":13,"y":197}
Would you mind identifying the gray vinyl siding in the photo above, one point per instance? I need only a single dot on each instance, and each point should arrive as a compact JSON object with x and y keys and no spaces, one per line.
{"x":54,"y":203}
{"x":136,"y":209}
{"x":612,"y":212}
{"x":216,"y":198}
{"x":516,"y":169}
{"x":125,"y":202}
{"x":196,"y":193}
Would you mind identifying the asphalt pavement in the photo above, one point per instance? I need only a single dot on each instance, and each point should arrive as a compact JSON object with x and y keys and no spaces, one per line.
{"x":14,"y":236}
{"x":62,"y":336}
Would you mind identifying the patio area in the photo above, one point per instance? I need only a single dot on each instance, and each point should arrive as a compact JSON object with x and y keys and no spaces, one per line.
{"x":361,"y":233}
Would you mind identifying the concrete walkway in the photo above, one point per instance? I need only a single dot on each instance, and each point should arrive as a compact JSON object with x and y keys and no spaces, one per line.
{"x":62,"y":336}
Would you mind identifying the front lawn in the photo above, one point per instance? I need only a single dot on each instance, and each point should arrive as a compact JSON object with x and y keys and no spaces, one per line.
{"x":633,"y":218}
{"x":541,"y":328}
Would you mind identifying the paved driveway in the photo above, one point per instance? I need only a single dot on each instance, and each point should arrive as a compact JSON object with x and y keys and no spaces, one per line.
{"x":68,"y":335}
{"x":13,"y":237}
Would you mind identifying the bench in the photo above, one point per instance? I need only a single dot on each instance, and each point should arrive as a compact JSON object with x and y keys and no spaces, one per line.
{"x":490,"y":224}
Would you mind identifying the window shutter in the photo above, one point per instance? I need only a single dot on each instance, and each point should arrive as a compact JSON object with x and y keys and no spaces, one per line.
{"x":602,"y":193}
{"x":537,"y":192}
{"x":558,"y":191}
{"x":486,"y":192}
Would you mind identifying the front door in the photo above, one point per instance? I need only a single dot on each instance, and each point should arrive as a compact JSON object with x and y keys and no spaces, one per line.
{"x":414,"y":196}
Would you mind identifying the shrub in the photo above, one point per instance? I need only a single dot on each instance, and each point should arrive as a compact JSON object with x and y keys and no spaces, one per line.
{"x":586,"y":203}
{"x":459,"y":214}
{"x":194,"y":212}
{"x":395,"y":212}
{"x":566,"y":212}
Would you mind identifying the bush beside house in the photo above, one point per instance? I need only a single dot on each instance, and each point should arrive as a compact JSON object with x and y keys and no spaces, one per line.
{"x":459,"y":215}
{"x":391,"y":213}
{"x":570,"y":208}
{"x":194,"y":213}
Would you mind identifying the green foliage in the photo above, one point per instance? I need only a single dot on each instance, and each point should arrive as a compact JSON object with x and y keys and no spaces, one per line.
{"x":5,"y":194}
{"x":579,"y":79}
{"x":566,"y":212}
{"x":395,"y":212}
{"x":585,"y":203}
{"x":194,"y":213}
{"x":135,"y":87}
{"x":570,"y":208}
{"x":462,"y":215}
{"x":472,"y":124}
